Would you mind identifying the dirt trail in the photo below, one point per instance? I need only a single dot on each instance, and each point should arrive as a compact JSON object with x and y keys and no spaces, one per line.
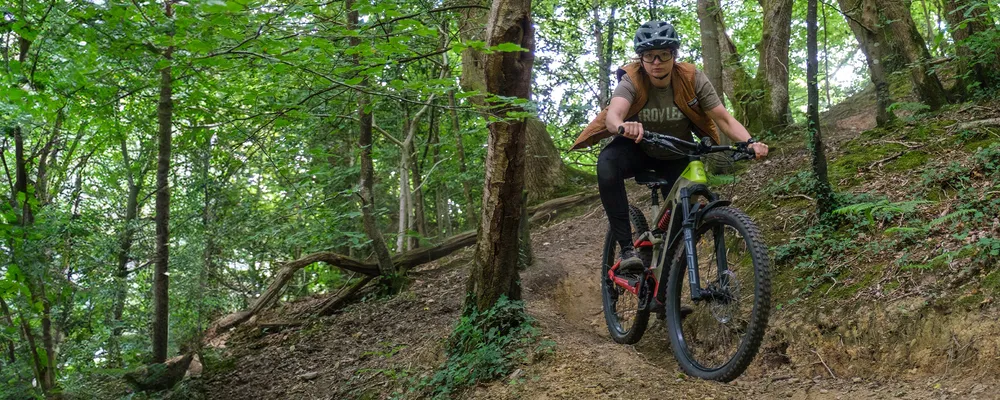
{"x":373,"y":347}
{"x":562,"y":293}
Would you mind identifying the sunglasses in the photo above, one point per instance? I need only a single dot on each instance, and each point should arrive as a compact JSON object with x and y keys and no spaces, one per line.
{"x":663,"y":57}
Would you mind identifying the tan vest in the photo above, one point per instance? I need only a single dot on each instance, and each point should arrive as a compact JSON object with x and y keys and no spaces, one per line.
{"x":682,"y":82}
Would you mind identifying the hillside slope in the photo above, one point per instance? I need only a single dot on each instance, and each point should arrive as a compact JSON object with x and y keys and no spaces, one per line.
{"x":860,"y":312}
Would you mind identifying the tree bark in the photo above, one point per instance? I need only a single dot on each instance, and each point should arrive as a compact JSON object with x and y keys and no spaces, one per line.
{"x":913,"y":49}
{"x":471,"y":27}
{"x":468,"y":207}
{"x":971,"y":67}
{"x":494,"y":270}
{"x":772,"y":71}
{"x":164,"y":113}
{"x":384,"y":263}
{"x":824,"y":203}
{"x":891,"y":42}
{"x":605,"y":49}
{"x":544,"y":170}
{"x":11,"y":356}
{"x":863,"y":19}
{"x":123,"y":251}
{"x":711,"y":51}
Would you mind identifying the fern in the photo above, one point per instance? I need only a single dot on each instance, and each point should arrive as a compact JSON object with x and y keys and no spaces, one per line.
{"x":946,"y":218}
{"x":883,"y":208}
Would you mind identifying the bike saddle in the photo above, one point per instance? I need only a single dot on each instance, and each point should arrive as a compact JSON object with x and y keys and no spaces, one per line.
{"x":650,"y":177}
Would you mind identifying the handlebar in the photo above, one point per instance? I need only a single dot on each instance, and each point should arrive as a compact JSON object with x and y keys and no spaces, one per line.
{"x":741,"y":150}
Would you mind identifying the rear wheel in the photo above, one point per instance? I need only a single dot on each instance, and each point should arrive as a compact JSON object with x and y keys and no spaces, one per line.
{"x":719,"y":336}
{"x":624,"y":313}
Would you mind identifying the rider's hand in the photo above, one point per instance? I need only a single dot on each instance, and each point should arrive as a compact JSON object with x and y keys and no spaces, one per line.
{"x":760,"y":149}
{"x":633,"y":130}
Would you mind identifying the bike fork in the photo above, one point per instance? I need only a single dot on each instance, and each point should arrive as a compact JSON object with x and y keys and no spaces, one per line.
{"x":689,"y":249}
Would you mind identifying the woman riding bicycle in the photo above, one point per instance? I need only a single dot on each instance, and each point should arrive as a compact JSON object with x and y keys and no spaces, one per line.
{"x":659,"y":94}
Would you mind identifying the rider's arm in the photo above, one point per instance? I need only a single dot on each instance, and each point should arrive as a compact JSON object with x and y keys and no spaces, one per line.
{"x":727,"y":124}
{"x":734,"y":129}
{"x":616,"y":113}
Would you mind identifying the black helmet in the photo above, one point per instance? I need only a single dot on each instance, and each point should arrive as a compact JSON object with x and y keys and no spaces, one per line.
{"x":655,"y":35}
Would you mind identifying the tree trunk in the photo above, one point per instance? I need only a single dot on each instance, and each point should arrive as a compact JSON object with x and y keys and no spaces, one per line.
{"x":367,"y":179}
{"x":862,"y":19}
{"x":772,"y":71}
{"x":471,"y":28}
{"x":468,"y":207}
{"x":419,"y":222}
{"x":911,"y":46}
{"x":605,"y":49}
{"x":494,"y":270}
{"x":893,"y":46}
{"x":711,"y":51}
{"x":43,"y":364}
{"x":824,"y":202}
{"x":443,"y":212}
{"x":164,"y":113}
{"x":544,"y":170}
{"x":971,"y":67}
{"x":10,"y":355}
{"x":124,"y":249}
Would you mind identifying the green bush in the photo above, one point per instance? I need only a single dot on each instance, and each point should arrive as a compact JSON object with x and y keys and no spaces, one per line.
{"x":485,"y":346}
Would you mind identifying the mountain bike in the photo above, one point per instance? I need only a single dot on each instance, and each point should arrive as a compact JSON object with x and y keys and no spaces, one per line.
{"x":716,"y":298}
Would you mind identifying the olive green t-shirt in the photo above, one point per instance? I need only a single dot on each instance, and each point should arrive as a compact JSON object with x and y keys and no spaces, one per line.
{"x":660,"y":114}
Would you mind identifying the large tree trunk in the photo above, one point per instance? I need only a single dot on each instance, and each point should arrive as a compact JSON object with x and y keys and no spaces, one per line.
{"x":365,"y":191}
{"x":544,"y":170}
{"x":965,"y":19}
{"x":543,"y":159}
{"x":890,"y":40}
{"x":471,"y":28}
{"x":824,"y":203}
{"x":494,"y":270}
{"x":863,"y":19}
{"x":772,"y":70}
{"x":164,"y":113}
{"x":711,"y":51}
{"x":911,"y":46}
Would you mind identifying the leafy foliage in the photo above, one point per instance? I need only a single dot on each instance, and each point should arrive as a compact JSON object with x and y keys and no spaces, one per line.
{"x":486,"y":345}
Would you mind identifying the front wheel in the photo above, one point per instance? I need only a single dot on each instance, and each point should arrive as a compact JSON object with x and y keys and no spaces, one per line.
{"x":718,"y":336}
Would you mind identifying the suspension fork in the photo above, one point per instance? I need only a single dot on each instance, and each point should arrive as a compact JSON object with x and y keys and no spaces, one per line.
{"x":720,"y":256}
{"x":687,"y":228}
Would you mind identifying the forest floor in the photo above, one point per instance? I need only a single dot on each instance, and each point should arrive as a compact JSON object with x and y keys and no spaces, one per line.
{"x":380,"y":347}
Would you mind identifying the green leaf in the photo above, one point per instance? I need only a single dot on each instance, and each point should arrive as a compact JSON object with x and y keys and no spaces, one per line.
{"x":505,"y":47}
{"x":354,"y":81}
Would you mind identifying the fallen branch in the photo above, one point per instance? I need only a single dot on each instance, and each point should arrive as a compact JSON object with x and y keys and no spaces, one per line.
{"x":402,"y":262}
{"x":824,"y":364}
{"x":545,"y":209}
{"x":334,"y":303}
{"x":794,"y":196}
{"x":975,"y":124}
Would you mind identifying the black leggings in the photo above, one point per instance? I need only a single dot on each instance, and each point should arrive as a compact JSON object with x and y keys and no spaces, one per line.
{"x":620,"y":160}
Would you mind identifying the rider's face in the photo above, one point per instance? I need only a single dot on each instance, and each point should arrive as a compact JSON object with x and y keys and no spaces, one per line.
{"x":658,"y":62}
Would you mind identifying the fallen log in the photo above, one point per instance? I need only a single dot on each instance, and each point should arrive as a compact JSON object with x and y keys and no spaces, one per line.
{"x":334,"y":303}
{"x":975,"y":124}
{"x":402,"y":262}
